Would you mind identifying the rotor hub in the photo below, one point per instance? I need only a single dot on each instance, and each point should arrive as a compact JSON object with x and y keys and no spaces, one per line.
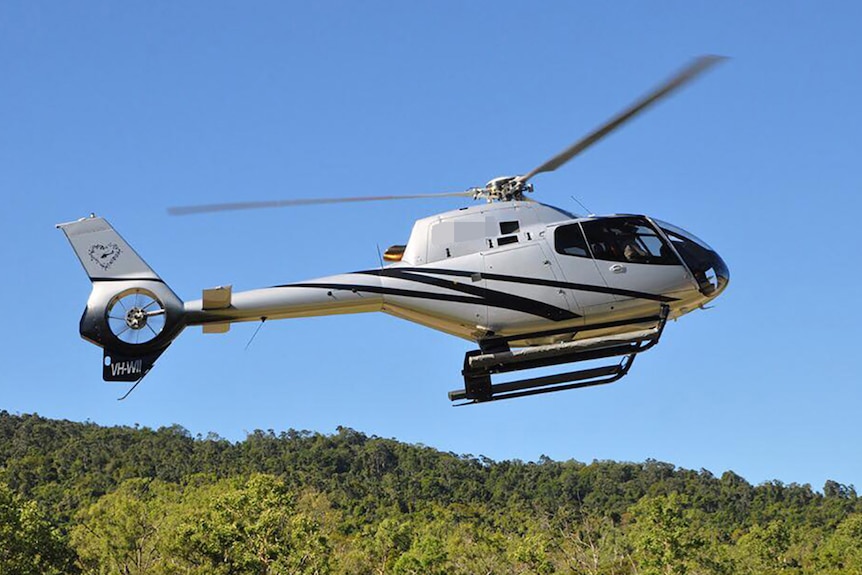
{"x":503,"y":189}
{"x":136,"y":318}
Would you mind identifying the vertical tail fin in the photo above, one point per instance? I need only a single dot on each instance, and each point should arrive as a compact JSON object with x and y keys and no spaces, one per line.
{"x":104,"y":254}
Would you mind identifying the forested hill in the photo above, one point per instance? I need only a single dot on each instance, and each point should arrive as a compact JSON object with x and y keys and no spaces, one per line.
{"x":79,"y":497}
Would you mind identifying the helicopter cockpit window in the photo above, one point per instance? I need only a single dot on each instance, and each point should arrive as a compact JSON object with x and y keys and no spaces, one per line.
{"x":708,"y":268}
{"x":569,"y":240}
{"x":627,"y":240}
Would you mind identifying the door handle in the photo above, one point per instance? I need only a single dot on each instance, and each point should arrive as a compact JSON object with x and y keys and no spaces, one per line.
{"x":618,"y":268}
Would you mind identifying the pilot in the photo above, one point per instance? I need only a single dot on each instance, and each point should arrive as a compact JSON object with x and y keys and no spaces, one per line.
{"x":633,"y":252}
{"x":627,"y":237}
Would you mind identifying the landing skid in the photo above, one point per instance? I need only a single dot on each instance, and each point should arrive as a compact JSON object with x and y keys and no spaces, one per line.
{"x":496,"y":357}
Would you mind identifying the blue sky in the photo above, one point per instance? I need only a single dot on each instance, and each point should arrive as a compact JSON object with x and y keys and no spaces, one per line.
{"x":124,"y":109}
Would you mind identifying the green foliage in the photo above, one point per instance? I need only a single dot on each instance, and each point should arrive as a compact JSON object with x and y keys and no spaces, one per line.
{"x":121,"y":532}
{"x":230,"y":526}
{"x":426,"y":556}
{"x":590,"y":543}
{"x":665,"y":537}
{"x":247,"y":526}
{"x":29,"y":544}
{"x":77,"y":497}
{"x":842,"y":553}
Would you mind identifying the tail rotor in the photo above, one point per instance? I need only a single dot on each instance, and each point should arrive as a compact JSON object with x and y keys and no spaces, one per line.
{"x":136,"y":316}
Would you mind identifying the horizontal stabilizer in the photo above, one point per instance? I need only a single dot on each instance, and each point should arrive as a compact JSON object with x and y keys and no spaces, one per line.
{"x":216,"y":298}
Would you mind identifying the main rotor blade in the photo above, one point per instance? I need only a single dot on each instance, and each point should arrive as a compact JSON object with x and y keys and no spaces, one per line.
{"x":207,"y":208}
{"x":682,"y":77}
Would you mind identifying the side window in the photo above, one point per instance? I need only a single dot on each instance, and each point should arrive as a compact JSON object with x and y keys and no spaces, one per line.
{"x":507,"y":228}
{"x":627,"y":240}
{"x":569,"y":240}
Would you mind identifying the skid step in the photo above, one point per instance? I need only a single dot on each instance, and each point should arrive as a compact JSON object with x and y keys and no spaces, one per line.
{"x":480,"y":365}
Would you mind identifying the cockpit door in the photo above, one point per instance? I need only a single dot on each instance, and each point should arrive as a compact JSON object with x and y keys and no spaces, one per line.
{"x":635,"y":262}
{"x":585,"y":283}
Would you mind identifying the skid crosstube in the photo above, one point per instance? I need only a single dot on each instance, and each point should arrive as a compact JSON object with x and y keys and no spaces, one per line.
{"x":495,"y":357}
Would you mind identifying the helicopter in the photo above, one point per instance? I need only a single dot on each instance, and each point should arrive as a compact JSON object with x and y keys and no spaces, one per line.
{"x":532,"y":285}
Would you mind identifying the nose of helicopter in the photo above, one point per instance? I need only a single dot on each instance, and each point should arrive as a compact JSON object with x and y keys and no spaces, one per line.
{"x":709,"y":270}
{"x":716,"y":284}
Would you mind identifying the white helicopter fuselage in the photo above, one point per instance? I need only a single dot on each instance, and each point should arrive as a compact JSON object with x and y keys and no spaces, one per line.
{"x":491,"y":270}
{"x":534,"y":286}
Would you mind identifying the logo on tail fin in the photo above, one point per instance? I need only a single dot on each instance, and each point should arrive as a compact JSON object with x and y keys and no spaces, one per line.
{"x":105,"y":254}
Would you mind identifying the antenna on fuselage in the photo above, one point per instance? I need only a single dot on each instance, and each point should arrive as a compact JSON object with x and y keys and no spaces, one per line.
{"x":586,"y":209}
{"x":379,"y":256}
{"x":254,"y":335}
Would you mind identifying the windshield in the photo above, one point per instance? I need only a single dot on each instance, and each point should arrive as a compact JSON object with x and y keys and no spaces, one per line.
{"x":708,"y":268}
{"x":671,"y":229}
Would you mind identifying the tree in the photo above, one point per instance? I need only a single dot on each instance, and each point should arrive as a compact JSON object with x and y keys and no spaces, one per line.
{"x":121,"y":532}
{"x":665,"y":537}
{"x":385,"y":544}
{"x":529,"y":554}
{"x":473,"y":548}
{"x":842,"y":553}
{"x":765,"y":549}
{"x":426,"y":556}
{"x":591,"y":544}
{"x":29,"y":544}
{"x":248,"y":526}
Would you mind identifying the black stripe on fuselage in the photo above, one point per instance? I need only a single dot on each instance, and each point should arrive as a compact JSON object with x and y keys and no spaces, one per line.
{"x":390,"y":272}
{"x":493,"y":298}
{"x":477,"y":295}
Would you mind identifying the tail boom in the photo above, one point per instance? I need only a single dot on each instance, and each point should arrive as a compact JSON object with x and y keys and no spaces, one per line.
{"x":311,"y":299}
